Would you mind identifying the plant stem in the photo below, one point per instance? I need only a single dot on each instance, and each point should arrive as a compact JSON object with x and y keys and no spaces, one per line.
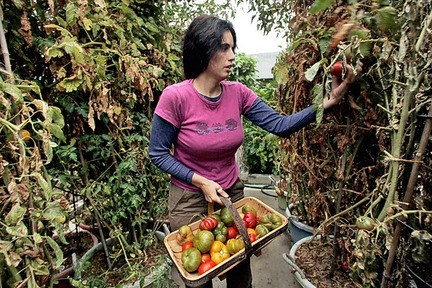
{"x":338,"y":203}
{"x":408,"y":196}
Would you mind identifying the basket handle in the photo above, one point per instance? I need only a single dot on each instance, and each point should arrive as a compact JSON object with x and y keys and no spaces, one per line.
{"x":240,"y":225}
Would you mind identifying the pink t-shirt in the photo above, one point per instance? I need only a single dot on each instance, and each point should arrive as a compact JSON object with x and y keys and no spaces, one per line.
{"x":210,"y":132}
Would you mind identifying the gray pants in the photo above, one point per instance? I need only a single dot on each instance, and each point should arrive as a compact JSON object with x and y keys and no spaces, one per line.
{"x":184,"y":206}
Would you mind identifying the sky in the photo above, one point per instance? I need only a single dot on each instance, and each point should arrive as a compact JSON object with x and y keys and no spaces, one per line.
{"x":249,"y":39}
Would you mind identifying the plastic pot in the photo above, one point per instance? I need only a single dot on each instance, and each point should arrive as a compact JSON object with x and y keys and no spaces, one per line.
{"x":296,"y":229}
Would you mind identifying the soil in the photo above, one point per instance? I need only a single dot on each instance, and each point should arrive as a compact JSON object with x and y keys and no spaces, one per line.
{"x":78,"y":243}
{"x":315,"y":258}
{"x":98,"y":270}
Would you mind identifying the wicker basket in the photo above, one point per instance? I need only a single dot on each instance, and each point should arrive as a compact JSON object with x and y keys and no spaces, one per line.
{"x":194,"y":279}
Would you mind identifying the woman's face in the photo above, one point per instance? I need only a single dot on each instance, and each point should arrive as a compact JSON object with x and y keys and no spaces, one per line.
{"x":220,"y":64}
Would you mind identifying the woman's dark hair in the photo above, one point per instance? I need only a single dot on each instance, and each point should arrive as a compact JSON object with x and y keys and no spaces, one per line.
{"x":202,"y":40}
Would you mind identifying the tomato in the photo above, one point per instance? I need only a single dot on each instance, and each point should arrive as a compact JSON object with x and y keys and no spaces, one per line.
{"x":203,"y":241}
{"x":235,"y":245}
{"x":251,"y":231}
{"x":226,"y":217}
{"x":365,"y":223}
{"x":216,"y":216}
{"x":61,"y":219}
{"x":232,"y":233}
{"x":250,"y":220}
{"x":219,"y":252}
{"x":191,"y":259}
{"x":205,"y":257}
{"x":248,"y":208}
{"x":220,"y":232}
{"x":336,"y":70}
{"x":186,"y":245}
{"x":345,"y":266}
{"x":271,"y":221}
{"x":261,"y":231}
{"x":204,"y":267}
{"x":208,"y":223}
{"x":25,"y":135}
{"x":184,"y":234}
{"x":252,"y":237}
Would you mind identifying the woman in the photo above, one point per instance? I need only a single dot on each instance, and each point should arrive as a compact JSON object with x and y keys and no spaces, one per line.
{"x":201,"y":118}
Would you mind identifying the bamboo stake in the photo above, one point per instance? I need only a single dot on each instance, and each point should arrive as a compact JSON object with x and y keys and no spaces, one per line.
{"x":408,"y":195}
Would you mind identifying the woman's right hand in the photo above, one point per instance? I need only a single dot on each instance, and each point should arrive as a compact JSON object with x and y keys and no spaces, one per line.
{"x":210,"y":189}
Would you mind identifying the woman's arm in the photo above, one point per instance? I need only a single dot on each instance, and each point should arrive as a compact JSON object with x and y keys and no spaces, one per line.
{"x":265,"y":117}
{"x":162,"y":137}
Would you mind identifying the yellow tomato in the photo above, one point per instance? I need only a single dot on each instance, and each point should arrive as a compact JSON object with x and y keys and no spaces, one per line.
{"x":25,"y":135}
{"x":219,"y":252}
{"x":251,"y":231}
{"x":61,"y":219}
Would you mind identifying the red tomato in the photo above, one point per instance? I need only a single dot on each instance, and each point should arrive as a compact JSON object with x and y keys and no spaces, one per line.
{"x":232,"y":233}
{"x":204,"y":267}
{"x":337,"y":69}
{"x":187,"y":245}
{"x":250,"y":220}
{"x":208,"y":223}
{"x":205,"y":257}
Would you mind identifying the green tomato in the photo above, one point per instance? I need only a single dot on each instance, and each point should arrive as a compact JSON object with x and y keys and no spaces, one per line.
{"x":203,"y":241}
{"x":227,"y":217}
{"x":235,"y":245}
{"x":365,"y":223}
{"x":261,"y":230}
{"x":221,"y":232}
{"x":271,"y":221}
{"x":191,"y":258}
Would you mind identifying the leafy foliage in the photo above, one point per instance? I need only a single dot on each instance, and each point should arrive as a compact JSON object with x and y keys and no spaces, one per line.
{"x":101,"y":66}
{"x":259,"y":147}
{"x":359,"y":152}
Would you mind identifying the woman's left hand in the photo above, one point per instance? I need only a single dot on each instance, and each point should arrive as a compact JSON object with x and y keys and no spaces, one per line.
{"x":339,"y":87}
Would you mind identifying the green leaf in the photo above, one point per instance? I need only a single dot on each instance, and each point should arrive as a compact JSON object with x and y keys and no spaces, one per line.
{"x":281,"y":74}
{"x":57,"y":251}
{"x":387,"y":18}
{"x":54,"y":51}
{"x":312,"y":71}
{"x":45,"y":185}
{"x":19,"y":230}
{"x":317,"y":92}
{"x":11,"y":90}
{"x":15,"y":215}
{"x":71,"y":84}
{"x":320,"y":5}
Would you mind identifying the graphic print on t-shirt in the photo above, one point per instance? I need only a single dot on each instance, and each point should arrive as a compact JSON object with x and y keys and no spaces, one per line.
{"x":204,"y":129}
